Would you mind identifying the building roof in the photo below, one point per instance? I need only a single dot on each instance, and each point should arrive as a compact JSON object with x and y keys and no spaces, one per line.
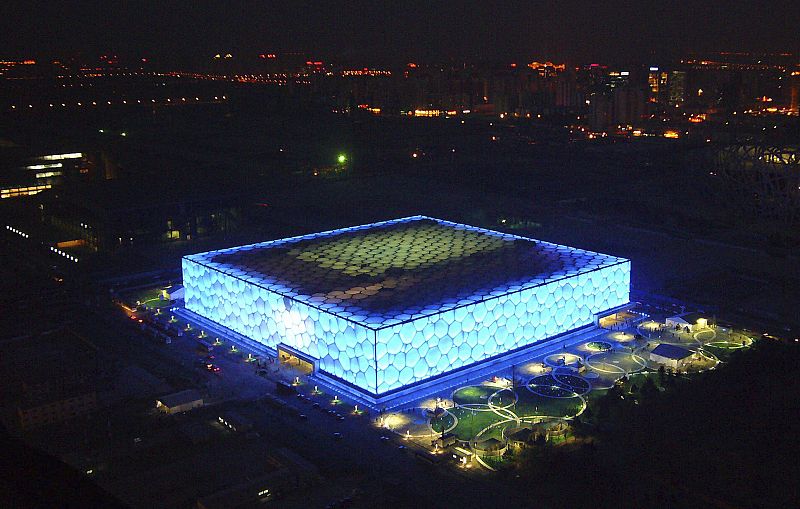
{"x":671,"y":351}
{"x":180,"y":398}
{"x":520,"y":434}
{"x":490,"y":444}
{"x":690,"y":318}
{"x":384,"y":273}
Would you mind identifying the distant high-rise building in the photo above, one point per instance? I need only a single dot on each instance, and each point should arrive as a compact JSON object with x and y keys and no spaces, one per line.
{"x":629,"y":105}
{"x":677,"y":87}
{"x":625,"y":106}
{"x":566,"y":96}
{"x":601,"y":111}
{"x":657,"y":83}
{"x":615,"y":79}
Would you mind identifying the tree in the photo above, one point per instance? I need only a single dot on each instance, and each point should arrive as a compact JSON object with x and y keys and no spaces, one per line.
{"x":649,"y":390}
{"x":662,"y":375}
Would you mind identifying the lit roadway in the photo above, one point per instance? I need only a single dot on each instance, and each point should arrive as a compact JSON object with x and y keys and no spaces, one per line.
{"x":359,"y":462}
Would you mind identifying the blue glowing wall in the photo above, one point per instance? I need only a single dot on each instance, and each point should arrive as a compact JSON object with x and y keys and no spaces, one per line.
{"x":380,"y":354}
{"x":344,"y":348}
{"x":424,"y":347}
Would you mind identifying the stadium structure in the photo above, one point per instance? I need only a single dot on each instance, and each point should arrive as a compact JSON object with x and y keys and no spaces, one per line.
{"x":384,"y":308}
{"x":764,"y":179}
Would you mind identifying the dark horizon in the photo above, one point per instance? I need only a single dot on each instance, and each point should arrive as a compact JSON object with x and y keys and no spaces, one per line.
{"x":381,"y":32}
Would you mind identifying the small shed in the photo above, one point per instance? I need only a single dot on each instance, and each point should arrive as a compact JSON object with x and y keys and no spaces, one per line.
{"x":520,"y":437}
{"x":462,"y":455}
{"x":446,"y":440}
{"x":178,"y":402}
{"x":490,"y":447}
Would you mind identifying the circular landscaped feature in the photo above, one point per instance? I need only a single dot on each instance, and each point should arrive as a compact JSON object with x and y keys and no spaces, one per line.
{"x":705,"y":335}
{"x":562,"y":359}
{"x":473,"y":395}
{"x":504,"y":398}
{"x":573,"y":382}
{"x":443,"y":423}
{"x":650,"y":325}
{"x":551,"y":391}
{"x":731,"y":344}
{"x":598,"y":346}
{"x":533,"y":405}
{"x":549,"y":387}
{"x":618,"y":364}
{"x":622,"y":337}
{"x":472,"y":421}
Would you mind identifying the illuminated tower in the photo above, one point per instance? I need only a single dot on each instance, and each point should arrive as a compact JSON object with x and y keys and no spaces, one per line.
{"x":656,"y":82}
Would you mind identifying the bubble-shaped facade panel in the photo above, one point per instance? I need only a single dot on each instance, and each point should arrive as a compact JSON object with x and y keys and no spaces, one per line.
{"x":391,"y":304}
{"x":339,"y":345}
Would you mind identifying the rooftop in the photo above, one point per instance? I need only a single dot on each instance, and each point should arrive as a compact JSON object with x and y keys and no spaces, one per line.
{"x":180,"y":398}
{"x":384,"y":273}
{"x":691,"y":318}
{"x":671,"y":351}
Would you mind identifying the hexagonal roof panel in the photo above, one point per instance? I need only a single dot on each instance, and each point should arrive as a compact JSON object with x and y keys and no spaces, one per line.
{"x":384,"y":273}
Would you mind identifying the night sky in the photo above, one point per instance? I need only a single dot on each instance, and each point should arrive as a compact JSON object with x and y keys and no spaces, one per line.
{"x":384,"y":31}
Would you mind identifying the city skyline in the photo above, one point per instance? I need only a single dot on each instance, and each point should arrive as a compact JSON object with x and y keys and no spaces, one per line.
{"x":315,"y":254}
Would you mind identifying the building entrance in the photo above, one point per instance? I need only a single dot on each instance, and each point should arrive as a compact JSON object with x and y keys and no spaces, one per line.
{"x":289,"y":357}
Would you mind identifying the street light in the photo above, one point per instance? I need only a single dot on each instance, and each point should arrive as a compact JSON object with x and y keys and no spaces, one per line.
{"x":341,"y":158}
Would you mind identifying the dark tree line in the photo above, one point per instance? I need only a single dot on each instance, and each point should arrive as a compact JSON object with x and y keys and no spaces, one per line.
{"x":726,"y":438}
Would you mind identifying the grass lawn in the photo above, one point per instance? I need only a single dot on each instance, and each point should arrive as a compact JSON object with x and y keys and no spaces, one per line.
{"x":473,"y":394}
{"x":495,"y":461}
{"x":723,"y":354}
{"x":531,"y":404}
{"x":616,"y":363}
{"x":150,"y":298}
{"x":442,"y":422}
{"x":471,"y":423}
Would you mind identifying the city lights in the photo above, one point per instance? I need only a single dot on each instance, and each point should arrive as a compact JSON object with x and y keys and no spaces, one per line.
{"x":57,"y":157}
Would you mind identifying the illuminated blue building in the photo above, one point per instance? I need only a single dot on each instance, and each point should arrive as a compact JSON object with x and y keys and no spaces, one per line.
{"x":388,"y":305}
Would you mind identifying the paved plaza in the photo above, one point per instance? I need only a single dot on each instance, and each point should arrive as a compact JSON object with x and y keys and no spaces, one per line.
{"x":539,"y":395}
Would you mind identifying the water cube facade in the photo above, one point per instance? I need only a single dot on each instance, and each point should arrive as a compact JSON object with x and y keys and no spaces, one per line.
{"x":387,"y":305}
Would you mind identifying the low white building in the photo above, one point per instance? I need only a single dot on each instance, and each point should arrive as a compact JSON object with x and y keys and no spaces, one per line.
{"x":693,"y":321}
{"x":178,"y":402}
{"x":671,"y":356}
